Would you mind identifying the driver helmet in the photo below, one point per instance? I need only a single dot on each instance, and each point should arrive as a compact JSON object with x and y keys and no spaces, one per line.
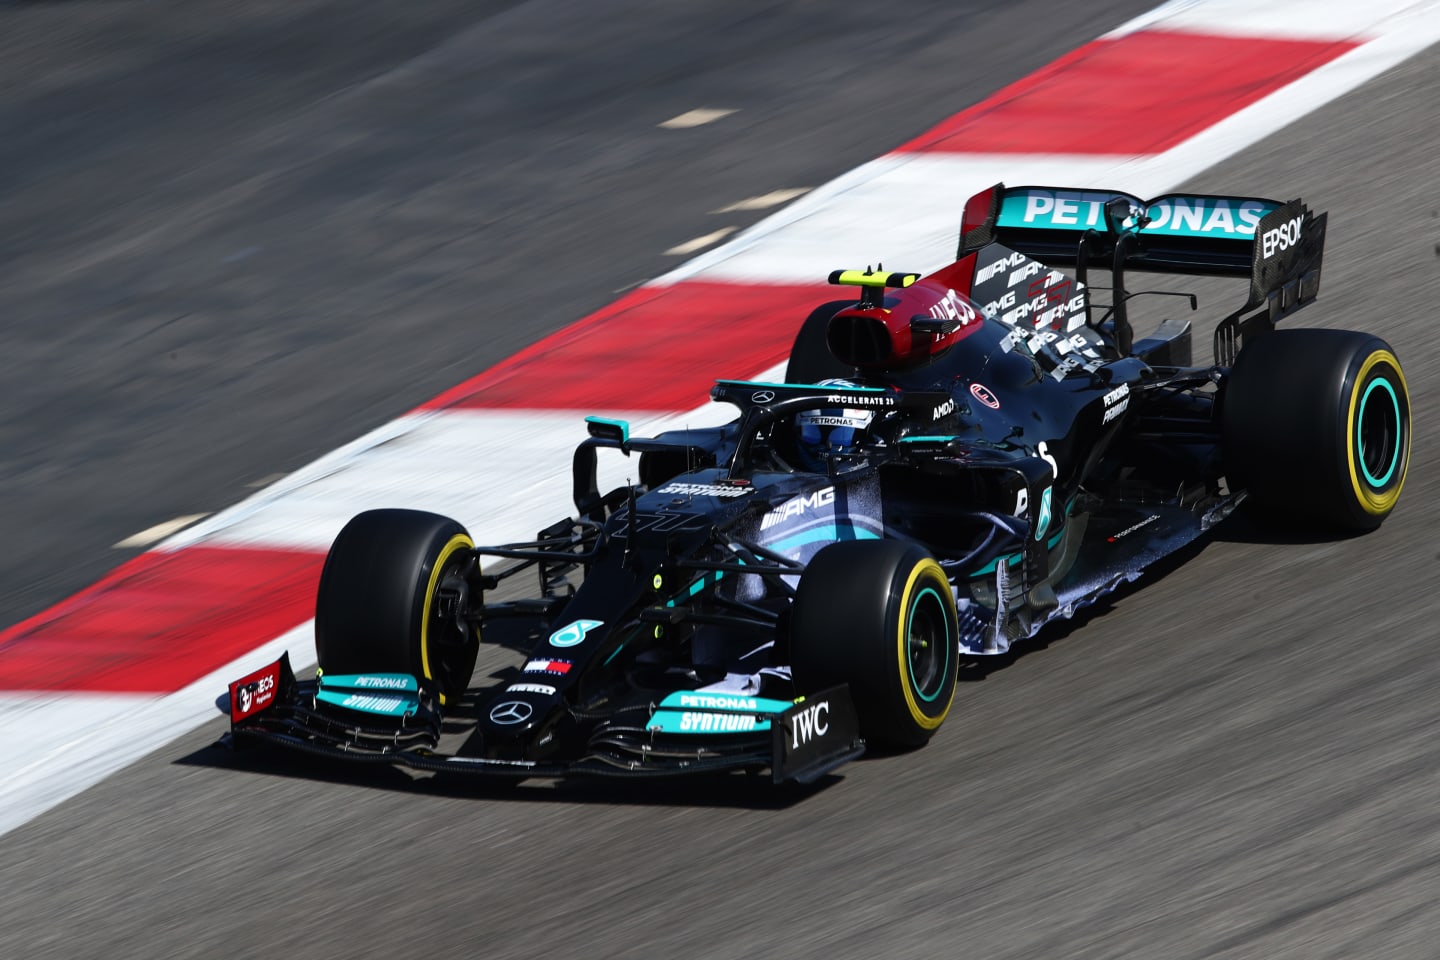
{"x":831,"y":432}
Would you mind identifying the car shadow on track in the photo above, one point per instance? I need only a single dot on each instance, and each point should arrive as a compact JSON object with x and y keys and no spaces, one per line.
{"x":740,"y":791}
{"x":1243,"y":526}
{"x":977,"y":669}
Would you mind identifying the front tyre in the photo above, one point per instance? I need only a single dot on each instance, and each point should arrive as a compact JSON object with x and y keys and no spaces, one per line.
{"x":1316,"y":427}
{"x":394,"y":598}
{"x":879,"y":615}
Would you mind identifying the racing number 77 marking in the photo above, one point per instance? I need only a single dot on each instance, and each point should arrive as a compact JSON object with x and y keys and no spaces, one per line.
{"x":1022,"y":499}
{"x":1043,"y":523}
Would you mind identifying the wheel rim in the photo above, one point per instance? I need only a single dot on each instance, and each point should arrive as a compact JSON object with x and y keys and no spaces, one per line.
{"x":442,"y":631}
{"x":1378,"y":433}
{"x":448,"y":627}
{"x":928,"y":652}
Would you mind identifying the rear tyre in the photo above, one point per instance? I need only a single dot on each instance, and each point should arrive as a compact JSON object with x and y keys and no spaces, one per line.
{"x":879,"y":615}
{"x":810,"y":358}
{"x":1316,"y":427}
{"x":393,"y":597}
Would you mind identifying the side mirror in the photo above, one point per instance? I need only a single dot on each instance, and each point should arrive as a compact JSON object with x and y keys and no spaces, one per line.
{"x":616,"y":432}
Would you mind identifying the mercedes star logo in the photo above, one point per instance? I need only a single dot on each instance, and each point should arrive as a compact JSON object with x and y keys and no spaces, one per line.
{"x":511,"y":711}
{"x":762,"y":396}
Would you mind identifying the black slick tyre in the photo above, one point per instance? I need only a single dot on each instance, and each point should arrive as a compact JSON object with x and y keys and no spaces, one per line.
{"x":878,"y":615}
{"x":810,"y":358}
{"x":1316,"y":427}
{"x":391,"y":600}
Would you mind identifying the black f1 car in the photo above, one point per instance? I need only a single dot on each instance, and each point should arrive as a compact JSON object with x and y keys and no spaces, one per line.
{"x":952,"y":462}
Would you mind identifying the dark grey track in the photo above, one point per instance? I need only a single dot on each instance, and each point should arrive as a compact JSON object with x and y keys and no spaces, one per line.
{"x":233,"y":236}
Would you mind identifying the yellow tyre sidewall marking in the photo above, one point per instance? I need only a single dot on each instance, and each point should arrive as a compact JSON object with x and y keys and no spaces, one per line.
{"x":454,"y":545}
{"x":917,"y":575}
{"x":1376,"y":504}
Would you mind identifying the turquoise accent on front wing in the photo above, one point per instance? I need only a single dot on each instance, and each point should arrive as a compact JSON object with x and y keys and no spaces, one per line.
{"x":370,"y":682}
{"x":696,"y":712}
{"x":721,"y":700}
{"x":1384,"y":384}
{"x":381,"y":704}
{"x":1013,"y":559}
{"x":702,"y":722}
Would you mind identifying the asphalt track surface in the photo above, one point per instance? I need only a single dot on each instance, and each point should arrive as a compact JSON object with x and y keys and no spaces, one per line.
{"x":1238,"y":760}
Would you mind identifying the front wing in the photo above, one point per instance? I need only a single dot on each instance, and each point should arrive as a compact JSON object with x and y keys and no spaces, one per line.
{"x":803,"y":742}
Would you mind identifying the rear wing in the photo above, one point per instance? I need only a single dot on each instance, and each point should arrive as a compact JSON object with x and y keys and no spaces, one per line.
{"x":1279,"y":246}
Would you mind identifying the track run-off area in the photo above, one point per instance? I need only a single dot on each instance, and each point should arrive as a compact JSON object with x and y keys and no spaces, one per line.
{"x":1233,"y":760}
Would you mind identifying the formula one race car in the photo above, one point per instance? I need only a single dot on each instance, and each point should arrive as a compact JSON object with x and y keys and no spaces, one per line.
{"x":954,"y":461}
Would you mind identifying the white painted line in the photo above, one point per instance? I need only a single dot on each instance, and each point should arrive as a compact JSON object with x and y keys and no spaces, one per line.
{"x":765,"y":200}
{"x":1320,"y":20}
{"x":695,"y":118}
{"x":265,"y":481}
{"x":631,"y":286}
{"x":153,"y":535}
{"x":699,"y":243}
